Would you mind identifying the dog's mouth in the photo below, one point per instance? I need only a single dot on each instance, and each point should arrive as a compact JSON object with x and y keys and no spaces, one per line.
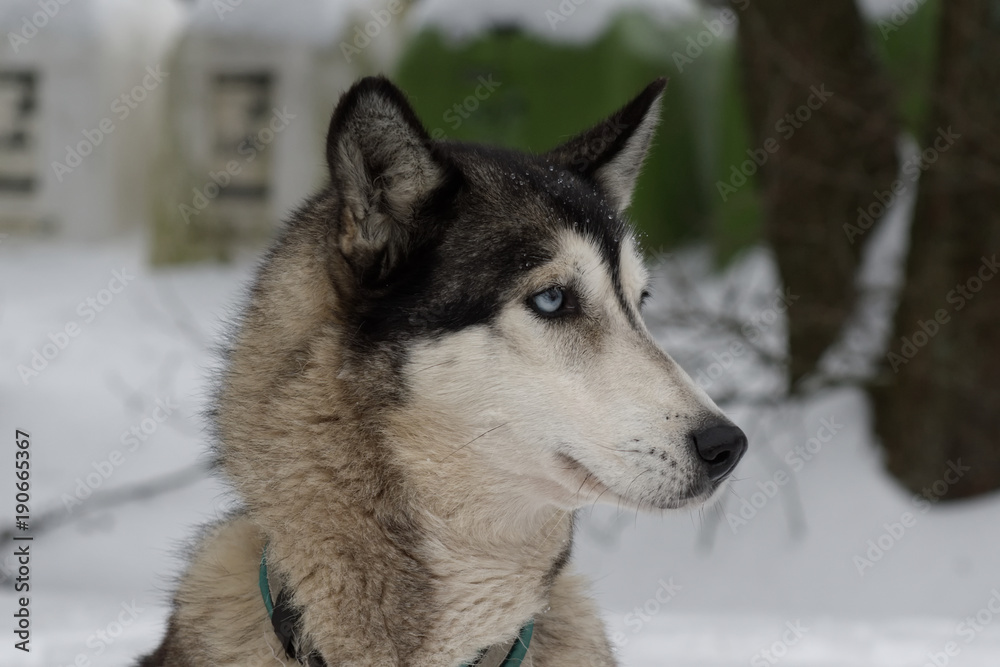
{"x":588,"y":487}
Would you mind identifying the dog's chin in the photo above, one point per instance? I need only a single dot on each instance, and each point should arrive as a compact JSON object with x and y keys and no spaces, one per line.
{"x":588,"y":488}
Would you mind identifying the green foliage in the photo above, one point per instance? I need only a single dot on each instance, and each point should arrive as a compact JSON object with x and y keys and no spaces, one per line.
{"x":548,"y":91}
{"x":907,"y":44}
{"x":737,"y":221}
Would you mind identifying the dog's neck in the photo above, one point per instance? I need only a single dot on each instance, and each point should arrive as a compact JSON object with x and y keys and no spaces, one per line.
{"x":479,"y":521}
{"x":461,"y":558}
{"x":395,"y":539}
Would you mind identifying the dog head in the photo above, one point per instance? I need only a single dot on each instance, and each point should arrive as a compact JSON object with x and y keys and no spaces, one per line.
{"x":507,"y":288}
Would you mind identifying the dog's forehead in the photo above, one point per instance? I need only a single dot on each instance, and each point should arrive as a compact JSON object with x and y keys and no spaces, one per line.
{"x":513,"y":216}
{"x":534,"y":198}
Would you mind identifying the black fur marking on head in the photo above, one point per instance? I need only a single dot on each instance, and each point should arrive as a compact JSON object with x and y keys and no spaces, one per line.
{"x":482,"y":217}
{"x":504,"y":221}
{"x":589,"y":213}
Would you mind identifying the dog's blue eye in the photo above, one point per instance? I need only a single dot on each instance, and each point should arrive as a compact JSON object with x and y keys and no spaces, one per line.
{"x":553,"y":301}
{"x":550,"y":300}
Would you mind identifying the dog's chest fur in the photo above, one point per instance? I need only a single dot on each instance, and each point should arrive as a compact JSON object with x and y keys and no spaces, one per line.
{"x":486,"y":592}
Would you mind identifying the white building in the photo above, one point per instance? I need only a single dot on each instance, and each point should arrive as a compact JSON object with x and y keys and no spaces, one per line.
{"x":80,"y":97}
{"x":252,"y":88}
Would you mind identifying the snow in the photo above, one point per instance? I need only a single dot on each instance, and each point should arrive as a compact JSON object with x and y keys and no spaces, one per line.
{"x":577,"y":21}
{"x":313,"y":22}
{"x":95,"y":104}
{"x":559,"y":20}
{"x":686,"y":589}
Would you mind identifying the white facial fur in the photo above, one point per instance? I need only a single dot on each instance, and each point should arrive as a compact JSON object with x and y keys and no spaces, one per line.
{"x":571,"y":410}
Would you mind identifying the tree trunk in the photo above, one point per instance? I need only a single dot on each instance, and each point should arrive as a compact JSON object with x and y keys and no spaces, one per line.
{"x":821,"y":110}
{"x":937,"y":407}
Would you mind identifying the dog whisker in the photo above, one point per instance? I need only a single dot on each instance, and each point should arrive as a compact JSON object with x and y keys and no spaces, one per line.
{"x":484,"y":433}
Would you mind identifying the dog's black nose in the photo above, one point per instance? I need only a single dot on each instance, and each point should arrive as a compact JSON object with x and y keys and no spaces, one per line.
{"x":721,"y":446}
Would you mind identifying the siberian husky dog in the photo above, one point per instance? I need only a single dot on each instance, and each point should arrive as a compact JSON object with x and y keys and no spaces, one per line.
{"x":442,"y":358}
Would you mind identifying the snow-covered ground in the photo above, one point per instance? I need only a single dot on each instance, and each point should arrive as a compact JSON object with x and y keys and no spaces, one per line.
{"x":815,"y":562}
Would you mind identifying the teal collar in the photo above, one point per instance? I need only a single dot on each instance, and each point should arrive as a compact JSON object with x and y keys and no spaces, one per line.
{"x":285,"y":621}
{"x":265,"y":587}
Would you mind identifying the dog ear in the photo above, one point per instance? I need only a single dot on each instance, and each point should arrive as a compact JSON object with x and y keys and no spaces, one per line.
{"x":384,"y":169}
{"x":611,"y":153}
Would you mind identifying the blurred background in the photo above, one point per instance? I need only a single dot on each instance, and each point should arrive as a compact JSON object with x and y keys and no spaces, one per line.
{"x":821,"y":213}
